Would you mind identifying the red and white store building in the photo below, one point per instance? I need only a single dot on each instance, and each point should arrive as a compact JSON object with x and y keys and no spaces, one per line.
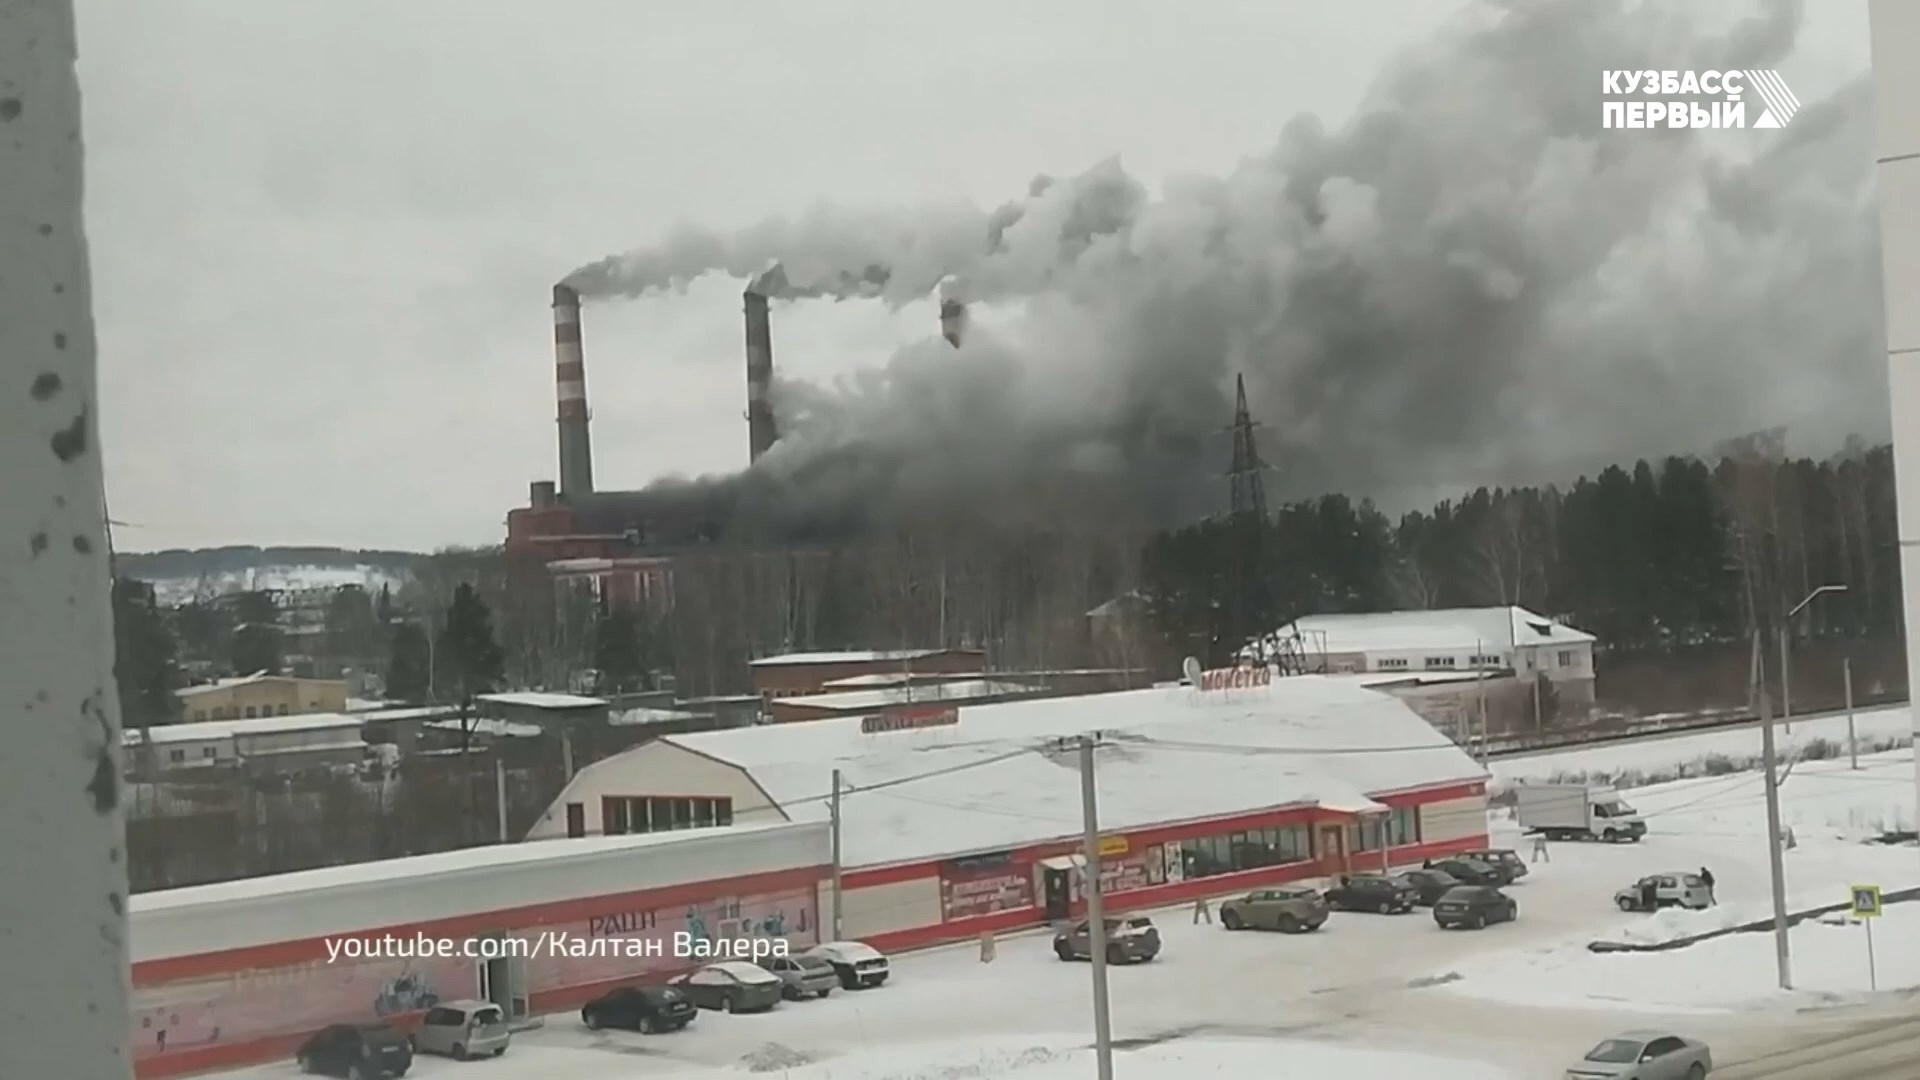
{"x":961,"y":821}
{"x":242,"y":972}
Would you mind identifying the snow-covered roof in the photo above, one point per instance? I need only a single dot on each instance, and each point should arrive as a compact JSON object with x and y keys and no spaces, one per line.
{"x":991,"y":782}
{"x":205,"y":730}
{"x":486,"y":725}
{"x":408,"y":712}
{"x":644,"y":715}
{"x":1383,"y":679}
{"x":1492,"y":630}
{"x":868,"y":656}
{"x":535,"y":699}
{"x":367,"y":896}
{"x":915,"y":694}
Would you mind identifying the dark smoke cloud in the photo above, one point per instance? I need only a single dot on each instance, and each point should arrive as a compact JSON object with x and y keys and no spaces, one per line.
{"x":1469,"y":282}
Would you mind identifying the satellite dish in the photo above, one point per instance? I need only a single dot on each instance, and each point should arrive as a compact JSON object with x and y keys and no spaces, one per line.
{"x":1192,"y":669}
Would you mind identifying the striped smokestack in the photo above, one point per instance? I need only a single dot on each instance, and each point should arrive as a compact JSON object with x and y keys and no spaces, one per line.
{"x":953,"y":321}
{"x":570,"y":385}
{"x":761,"y":432}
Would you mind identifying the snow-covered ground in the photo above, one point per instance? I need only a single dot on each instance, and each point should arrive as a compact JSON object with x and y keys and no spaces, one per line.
{"x":1673,"y":757}
{"x":1720,"y":822}
{"x":1514,"y":1000}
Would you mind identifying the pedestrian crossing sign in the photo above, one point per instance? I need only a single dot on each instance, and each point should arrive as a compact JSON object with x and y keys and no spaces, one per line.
{"x":1866,"y":901}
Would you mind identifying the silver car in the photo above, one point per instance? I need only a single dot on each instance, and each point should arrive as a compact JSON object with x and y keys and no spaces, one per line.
{"x":463,"y":1029}
{"x":1645,"y":1055}
{"x":803,"y":976}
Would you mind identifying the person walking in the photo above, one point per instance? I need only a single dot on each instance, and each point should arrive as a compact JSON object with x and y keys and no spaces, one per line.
{"x":1650,"y":895}
{"x":1202,"y":911}
{"x":1540,"y":853}
{"x":1706,"y":878}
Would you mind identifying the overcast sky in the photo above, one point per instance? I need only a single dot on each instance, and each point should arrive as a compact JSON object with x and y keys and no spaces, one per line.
{"x":324,"y":234}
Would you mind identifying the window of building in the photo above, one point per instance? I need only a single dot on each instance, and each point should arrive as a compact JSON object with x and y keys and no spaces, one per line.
{"x":1227,"y":853}
{"x":1395,"y":663}
{"x":1485,"y":660}
{"x":1403,"y":827}
{"x":199,"y":714}
{"x":622,"y":814}
{"x":1566,"y":658}
{"x":208,"y":752}
{"x":576,"y":819}
{"x":1439,"y":661}
{"x":252,"y":712}
{"x":1367,"y":835}
{"x":176,"y":756}
{"x":284,"y":710}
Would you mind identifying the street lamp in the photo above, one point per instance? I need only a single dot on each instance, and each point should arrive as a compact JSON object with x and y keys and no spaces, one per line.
{"x":1786,"y":692}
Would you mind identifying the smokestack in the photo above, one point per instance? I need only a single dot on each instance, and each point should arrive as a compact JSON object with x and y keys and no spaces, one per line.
{"x":570,"y":384}
{"x":953,"y":321}
{"x":761,"y":432}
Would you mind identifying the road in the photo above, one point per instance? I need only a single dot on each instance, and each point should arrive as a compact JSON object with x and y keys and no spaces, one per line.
{"x":1612,"y":742}
{"x":1884,"y":1049}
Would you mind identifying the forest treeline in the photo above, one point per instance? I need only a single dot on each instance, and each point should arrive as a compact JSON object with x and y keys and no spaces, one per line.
{"x":1652,"y":555}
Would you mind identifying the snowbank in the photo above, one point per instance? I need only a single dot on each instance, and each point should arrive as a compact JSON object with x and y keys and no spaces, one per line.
{"x":1722,"y":975}
{"x":1067,"y":1058}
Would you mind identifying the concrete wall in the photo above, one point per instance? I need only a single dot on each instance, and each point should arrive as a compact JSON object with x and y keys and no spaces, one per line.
{"x":661,"y":770}
{"x":872,"y":910}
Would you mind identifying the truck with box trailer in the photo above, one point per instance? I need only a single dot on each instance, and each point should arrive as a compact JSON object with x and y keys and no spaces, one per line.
{"x":1576,"y":812}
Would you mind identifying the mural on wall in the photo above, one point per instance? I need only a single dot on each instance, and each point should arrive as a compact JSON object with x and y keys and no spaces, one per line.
{"x":982,"y":885}
{"x":241,"y":1007}
{"x":1137,"y":870}
{"x":244,"y":1006}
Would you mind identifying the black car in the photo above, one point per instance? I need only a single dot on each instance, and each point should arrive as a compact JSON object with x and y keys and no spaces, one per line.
{"x":1373,"y":892}
{"x":356,"y":1052}
{"x":1474,"y":906}
{"x":1474,"y":872}
{"x":648,"y":1009}
{"x":1431,"y":885}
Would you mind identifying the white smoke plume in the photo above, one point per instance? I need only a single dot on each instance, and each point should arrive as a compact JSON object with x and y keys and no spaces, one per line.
{"x":1469,"y":282}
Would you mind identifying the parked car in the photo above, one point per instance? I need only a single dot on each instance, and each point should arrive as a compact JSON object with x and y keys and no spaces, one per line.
{"x":1473,"y":871}
{"x":1644,"y":1055}
{"x":462,"y":1030}
{"x":732,"y":986}
{"x":1293,"y":910}
{"x":1474,"y":906}
{"x":1132,"y":939}
{"x":356,"y":1052}
{"x":647,"y":1009}
{"x":1671,"y":889}
{"x":1431,"y":885}
{"x":1505,"y":858}
{"x":1373,"y":892}
{"x":803,"y":976}
{"x":858,"y":964}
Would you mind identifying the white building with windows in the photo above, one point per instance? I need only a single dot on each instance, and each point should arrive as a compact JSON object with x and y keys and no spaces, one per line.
{"x":1496,"y":640}
{"x":959,"y":821}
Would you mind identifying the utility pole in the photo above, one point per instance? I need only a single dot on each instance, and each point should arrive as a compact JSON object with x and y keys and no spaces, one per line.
{"x":63,"y":1005}
{"x":833,"y":818}
{"x":1096,"y":913}
{"x":1480,"y":686}
{"x":1776,"y":860}
{"x":1846,"y":681}
{"x":500,"y":792}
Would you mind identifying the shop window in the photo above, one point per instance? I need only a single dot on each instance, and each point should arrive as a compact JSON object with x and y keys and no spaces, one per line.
{"x":1403,"y":828}
{"x":1439,"y":661}
{"x":1367,"y":835}
{"x":1250,"y":849}
{"x":1395,"y":663}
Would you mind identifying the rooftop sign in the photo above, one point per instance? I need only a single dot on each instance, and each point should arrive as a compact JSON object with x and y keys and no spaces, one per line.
{"x":1236,"y":678}
{"x":910,"y":718}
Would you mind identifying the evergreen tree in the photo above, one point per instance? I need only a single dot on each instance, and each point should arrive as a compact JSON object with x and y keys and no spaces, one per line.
{"x":352,"y":631}
{"x":469,"y":659}
{"x":257,"y":647}
{"x":144,"y":668}
{"x":383,"y":608}
{"x":407,"y":660}
{"x":618,"y":657}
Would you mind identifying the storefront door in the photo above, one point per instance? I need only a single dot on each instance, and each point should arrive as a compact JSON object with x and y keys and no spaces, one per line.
{"x":1332,"y":848}
{"x":1057,"y":889}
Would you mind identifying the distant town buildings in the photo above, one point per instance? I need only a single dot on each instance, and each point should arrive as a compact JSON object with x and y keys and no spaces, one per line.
{"x":259,"y":695}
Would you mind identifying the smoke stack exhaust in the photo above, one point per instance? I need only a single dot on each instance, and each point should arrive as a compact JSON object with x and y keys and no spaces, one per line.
{"x":761,"y":431}
{"x":953,"y":321}
{"x":570,"y":386}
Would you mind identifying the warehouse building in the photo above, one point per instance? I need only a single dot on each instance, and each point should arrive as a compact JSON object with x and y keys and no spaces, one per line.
{"x":243,"y":971}
{"x":961,"y":820}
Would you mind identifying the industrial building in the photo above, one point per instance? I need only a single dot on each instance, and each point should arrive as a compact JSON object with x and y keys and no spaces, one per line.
{"x":261,"y":694}
{"x":241,"y":972}
{"x":958,"y":821}
{"x":619,"y":544}
{"x":794,"y":674}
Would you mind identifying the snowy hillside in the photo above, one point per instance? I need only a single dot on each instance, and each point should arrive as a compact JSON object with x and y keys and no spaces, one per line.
{"x":180,"y":576}
{"x":171,"y":591}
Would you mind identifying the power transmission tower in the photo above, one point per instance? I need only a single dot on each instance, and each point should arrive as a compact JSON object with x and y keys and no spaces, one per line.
{"x":1247,"y":484}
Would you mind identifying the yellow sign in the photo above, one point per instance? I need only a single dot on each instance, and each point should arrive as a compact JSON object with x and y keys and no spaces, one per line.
{"x":1866,"y":901}
{"x":1113,"y":845}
